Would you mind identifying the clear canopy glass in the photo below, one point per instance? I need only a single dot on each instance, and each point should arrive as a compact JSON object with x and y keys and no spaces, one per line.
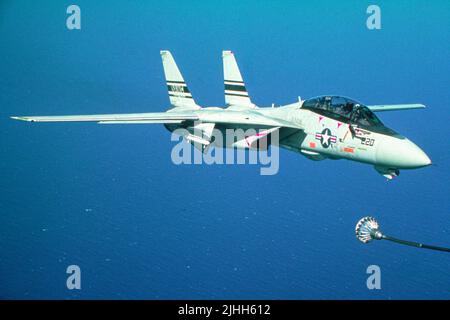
{"x":343,"y":108}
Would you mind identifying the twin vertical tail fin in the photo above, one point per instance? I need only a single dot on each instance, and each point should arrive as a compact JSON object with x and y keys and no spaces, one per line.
{"x":235,"y":91}
{"x":179,"y":94}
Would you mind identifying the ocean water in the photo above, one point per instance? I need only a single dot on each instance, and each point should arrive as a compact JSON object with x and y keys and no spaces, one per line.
{"x":110,"y":200}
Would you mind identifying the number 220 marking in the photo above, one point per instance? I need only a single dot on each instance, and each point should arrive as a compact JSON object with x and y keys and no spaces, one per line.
{"x":368,"y":141}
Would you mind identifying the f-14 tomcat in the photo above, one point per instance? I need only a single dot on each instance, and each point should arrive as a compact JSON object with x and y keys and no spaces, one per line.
{"x":325,"y":127}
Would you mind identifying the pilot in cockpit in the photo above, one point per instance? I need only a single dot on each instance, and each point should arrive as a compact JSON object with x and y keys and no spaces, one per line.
{"x":360,"y":116}
{"x":348,"y":108}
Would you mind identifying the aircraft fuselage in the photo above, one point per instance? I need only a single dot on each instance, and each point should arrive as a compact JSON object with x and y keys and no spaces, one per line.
{"x":326,"y":138}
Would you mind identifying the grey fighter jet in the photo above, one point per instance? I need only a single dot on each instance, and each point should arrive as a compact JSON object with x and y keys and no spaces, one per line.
{"x":325,"y":127}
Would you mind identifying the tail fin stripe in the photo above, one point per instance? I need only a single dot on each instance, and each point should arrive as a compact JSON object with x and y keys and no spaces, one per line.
{"x":235,"y":87}
{"x":178,"y":88}
{"x":178,"y":96}
{"x":177,"y":82}
{"x":237,"y":95}
{"x":234,"y":81}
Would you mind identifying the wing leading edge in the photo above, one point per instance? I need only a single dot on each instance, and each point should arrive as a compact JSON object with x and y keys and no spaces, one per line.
{"x":153,"y":117}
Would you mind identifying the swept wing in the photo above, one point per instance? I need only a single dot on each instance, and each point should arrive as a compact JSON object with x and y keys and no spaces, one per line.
{"x":393,"y":107}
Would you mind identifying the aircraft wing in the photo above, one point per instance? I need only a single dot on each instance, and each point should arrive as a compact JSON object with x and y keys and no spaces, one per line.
{"x":130,"y":118}
{"x":393,"y":107}
{"x":251,"y":119}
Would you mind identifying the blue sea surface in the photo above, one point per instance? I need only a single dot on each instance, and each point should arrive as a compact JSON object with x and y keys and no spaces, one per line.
{"x":109,"y":199}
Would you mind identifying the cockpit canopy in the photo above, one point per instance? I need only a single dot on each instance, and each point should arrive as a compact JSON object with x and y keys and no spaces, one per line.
{"x":346,"y":110}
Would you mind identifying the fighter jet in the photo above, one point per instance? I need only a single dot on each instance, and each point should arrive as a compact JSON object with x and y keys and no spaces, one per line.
{"x":324,"y":127}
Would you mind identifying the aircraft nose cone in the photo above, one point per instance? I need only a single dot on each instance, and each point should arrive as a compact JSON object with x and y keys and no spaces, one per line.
{"x":401,"y":154}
